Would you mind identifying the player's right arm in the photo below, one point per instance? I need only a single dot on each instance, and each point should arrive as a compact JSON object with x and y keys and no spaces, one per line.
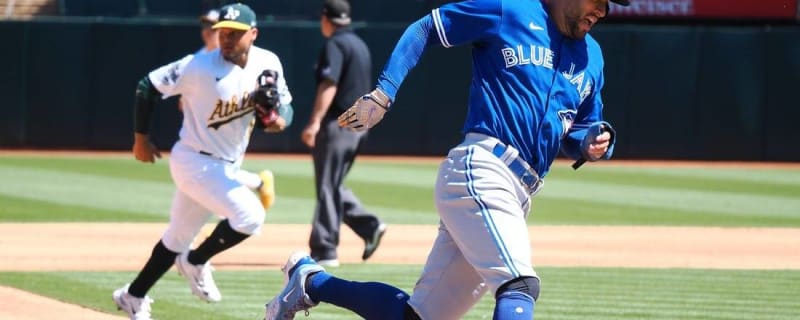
{"x":451,"y":25}
{"x":146,"y":97}
{"x":161,"y":83}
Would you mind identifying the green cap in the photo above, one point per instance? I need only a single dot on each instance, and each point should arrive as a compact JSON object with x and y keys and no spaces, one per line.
{"x":236,"y":16}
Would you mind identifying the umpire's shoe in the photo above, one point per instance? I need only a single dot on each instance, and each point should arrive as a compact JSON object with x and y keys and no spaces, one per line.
{"x":137,"y":308}
{"x":372,"y":243}
{"x":293,"y":297}
{"x":266,"y":192}
{"x":199,"y":277}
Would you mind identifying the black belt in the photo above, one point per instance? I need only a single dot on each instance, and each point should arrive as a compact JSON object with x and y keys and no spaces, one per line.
{"x":215,"y":157}
{"x":529,"y":178}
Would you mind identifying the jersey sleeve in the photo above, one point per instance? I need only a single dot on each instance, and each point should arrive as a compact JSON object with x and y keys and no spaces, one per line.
{"x":166,"y":78}
{"x":467,"y":21}
{"x":589,"y":112}
{"x":332,"y":61}
{"x":283,"y":88}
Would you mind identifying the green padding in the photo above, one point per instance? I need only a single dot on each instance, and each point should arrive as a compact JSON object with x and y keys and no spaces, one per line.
{"x":13,"y":83}
{"x":287,"y":113}
{"x":672,"y":92}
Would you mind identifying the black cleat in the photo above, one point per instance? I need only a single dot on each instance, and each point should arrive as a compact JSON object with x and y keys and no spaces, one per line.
{"x":372,"y":243}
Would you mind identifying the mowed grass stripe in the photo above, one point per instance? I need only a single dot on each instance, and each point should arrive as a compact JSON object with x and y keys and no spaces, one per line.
{"x":712,"y":294}
{"x":669,"y":294}
{"x":107,"y":165}
{"x":774,"y":176}
{"x":40,"y":193}
{"x":35,"y":210}
{"x":581,"y":212}
{"x":408,"y":175}
{"x":403,"y":193}
{"x":97,"y":191}
{"x":675,"y":198}
{"x":567,"y":293}
{"x":767,"y":181}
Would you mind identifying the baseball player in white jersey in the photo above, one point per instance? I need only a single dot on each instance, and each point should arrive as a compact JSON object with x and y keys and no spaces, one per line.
{"x":262,"y":182}
{"x":221,"y":91}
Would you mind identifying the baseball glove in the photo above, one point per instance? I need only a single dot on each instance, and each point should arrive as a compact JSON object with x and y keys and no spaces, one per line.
{"x":267,"y":99}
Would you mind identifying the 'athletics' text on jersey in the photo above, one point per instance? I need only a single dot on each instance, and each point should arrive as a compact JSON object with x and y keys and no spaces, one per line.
{"x":217,"y":109}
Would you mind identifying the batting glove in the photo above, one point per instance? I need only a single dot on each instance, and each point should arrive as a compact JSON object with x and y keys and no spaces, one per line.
{"x":366,"y":112}
{"x":596,"y":129}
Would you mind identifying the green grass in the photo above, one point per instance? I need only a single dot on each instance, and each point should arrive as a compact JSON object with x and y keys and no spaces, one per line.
{"x":117,"y":188}
{"x":567,"y":293}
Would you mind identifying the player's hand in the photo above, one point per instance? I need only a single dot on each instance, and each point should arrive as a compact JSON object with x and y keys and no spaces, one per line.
{"x":144,"y":150}
{"x":309,"y":135}
{"x":600,"y":145}
{"x":366,"y":112}
{"x":278,"y":125}
{"x":598,"y":142}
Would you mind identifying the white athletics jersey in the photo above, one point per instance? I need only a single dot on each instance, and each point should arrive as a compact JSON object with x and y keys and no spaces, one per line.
{"x":215,"y":93}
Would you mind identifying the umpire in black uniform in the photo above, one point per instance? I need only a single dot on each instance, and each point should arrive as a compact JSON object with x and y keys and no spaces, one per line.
{"x":343,"y":73}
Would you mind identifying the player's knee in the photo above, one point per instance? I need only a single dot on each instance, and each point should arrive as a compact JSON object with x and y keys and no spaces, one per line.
{"x":177,"y":242}
{"x":526,"y":285}
{"x":249,"y":223}
{"x":178,"y":239}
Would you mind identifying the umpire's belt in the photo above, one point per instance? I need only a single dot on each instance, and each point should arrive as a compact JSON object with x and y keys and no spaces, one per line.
{"x":527,"y":176}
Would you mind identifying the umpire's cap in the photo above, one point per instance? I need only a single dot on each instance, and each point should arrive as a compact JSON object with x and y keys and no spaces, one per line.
{"x":338,"y":11}
{"x":211,"y":17}
{"x":236,"y":16}
{"x":622,"y":2}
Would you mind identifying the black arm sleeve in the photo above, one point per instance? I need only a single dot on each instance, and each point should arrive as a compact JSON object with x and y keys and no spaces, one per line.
{"x":146,"y":98}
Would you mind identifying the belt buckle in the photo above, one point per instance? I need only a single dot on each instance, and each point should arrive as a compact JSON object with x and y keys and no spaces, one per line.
{"x":528,"y":179}
{"x":531,"y":182}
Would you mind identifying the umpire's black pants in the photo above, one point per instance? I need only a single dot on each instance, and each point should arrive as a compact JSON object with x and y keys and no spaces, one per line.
{"x":334,"y":152}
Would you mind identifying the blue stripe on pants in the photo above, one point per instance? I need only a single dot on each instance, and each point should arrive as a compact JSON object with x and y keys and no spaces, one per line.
{"x":487,"y":218}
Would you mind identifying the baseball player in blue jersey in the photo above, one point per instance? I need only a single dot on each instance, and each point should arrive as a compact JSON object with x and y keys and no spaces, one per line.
{"x":535,"y":92}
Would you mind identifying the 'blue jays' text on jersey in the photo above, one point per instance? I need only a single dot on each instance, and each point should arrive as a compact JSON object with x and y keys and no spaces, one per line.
{"x":531,"y":87}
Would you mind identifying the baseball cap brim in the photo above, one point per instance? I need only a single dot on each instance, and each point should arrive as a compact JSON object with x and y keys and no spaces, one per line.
{"x":340,"y":21}
{"x":622,"y":2}
{"x":232,"y":25}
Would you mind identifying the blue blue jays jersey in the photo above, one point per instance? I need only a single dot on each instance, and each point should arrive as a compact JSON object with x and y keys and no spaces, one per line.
{"x":531,"y":86}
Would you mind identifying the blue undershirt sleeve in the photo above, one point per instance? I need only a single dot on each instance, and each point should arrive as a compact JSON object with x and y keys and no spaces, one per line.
{"x":418,"y":36}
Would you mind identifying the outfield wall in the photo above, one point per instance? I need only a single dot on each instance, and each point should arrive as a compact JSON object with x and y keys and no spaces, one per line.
{"x":673,"y":92}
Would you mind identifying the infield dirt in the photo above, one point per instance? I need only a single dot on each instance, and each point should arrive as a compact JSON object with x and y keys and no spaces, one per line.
{"x":126,"y":246}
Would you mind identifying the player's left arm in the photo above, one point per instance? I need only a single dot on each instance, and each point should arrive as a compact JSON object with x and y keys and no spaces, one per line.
{"x":590,"y":138}
{"x":280,"y":113}
{"x":285,"y":110}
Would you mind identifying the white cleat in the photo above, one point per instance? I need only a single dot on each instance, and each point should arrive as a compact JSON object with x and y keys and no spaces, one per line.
{"x":137,"y":308}
{"x":293,"y":297}
{"x":199,"y":277}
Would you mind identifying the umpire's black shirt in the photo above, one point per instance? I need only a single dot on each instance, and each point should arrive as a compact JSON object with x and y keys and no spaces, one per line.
{"x":346,"y":62}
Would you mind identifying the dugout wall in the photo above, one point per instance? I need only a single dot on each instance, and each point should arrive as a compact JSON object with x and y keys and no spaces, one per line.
{"x":673,"y":92}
